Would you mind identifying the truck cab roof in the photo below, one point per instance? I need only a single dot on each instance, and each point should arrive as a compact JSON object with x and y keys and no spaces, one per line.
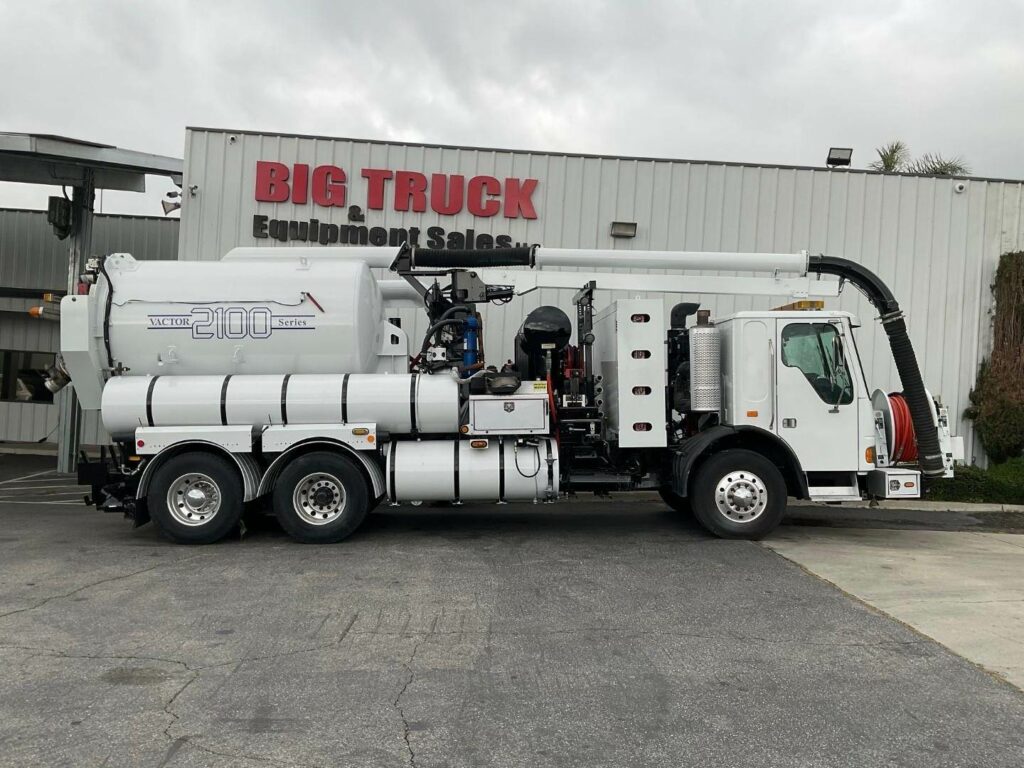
{"x":806,"y":315}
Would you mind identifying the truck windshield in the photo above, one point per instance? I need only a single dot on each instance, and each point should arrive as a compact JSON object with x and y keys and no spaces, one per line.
{"x":816,"y":350}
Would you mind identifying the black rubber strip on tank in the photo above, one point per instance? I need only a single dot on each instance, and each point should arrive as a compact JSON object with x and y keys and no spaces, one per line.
{"x":393,"y":454}
{"x":284,"y":398}
{"x":224,"y":400}
{"x":149,"y":400}
{"x":412,"y":404}
{"x":456,"y":472}
{"x":344,"y":399}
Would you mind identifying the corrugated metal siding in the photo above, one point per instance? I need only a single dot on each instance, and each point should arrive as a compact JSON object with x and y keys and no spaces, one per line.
{"x":935,"y":247}
{"x":32,"y":257}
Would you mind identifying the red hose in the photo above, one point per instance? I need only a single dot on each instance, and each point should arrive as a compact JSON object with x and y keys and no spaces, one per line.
{"x":904,"y":444}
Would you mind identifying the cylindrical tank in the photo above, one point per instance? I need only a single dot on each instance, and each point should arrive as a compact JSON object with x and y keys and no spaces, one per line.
{"x":452,"y":470}
{"x":705,"y":368}
{"x":238,"y":316}
{"x":391,"y":401}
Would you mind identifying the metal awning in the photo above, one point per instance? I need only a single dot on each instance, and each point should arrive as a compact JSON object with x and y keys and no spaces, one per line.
{"x":61,"y":161}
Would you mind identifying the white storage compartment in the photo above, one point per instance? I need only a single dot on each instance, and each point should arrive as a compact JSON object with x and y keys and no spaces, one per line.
{"x":522,"y":413}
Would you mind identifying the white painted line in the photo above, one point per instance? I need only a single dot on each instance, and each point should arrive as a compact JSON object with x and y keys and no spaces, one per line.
{"x":20,"y":501}
{"x":52,"y":497}
{"x":26,"y":477}
{"x":39,"y":487}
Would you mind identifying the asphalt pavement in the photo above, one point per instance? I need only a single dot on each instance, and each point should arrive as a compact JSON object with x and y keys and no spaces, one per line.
{"x":587,"y":634}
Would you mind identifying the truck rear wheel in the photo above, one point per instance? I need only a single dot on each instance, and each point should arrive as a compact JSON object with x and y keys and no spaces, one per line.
{"x":195,"y":498}
{"x":321,"y":498}
{"x":738,"y":494}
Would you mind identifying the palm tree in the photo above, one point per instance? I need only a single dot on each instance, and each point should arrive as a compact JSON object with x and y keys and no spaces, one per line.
{"x":894,"y":157}
{"x":930,"y":164}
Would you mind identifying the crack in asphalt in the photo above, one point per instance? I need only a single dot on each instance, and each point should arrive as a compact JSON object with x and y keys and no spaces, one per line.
{"x":397,"y":705}
{"x":75,"y":591}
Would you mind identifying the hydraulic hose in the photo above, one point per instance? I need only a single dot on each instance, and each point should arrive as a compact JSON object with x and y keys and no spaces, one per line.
{"x":895,"y":327}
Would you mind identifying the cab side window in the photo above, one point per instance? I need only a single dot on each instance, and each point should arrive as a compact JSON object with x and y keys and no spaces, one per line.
{"x":816,"y":349}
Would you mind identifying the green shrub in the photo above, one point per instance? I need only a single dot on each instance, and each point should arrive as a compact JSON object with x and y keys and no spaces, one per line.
{"x":999,"y":484}
{"x":997,"y":400}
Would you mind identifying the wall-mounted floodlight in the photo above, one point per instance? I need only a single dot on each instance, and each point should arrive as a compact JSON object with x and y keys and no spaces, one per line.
{"x":623,"y":229}
{"x":838,"y":156}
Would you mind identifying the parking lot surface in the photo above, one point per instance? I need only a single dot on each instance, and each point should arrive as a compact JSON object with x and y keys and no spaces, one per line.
{"x":588,"y":634}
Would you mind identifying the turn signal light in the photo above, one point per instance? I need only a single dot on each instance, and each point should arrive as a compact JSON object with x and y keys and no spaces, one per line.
{"x":35,"y":311}
{"x":751,"y":414}
{"x":869,"y":454}
{"x":464,"y":429}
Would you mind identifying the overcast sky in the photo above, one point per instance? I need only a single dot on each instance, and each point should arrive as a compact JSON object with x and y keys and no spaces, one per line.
{"x":718,"y":80}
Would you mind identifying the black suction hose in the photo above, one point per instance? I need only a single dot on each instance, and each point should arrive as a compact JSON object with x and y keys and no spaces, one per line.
{"x":878,"y":293}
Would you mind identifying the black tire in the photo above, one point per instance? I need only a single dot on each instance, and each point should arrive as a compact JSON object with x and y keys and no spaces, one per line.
{"x":735,"y":484}
{"x":196,"y":498}
{"x":678,"y":504}
{"x":321,"y":498}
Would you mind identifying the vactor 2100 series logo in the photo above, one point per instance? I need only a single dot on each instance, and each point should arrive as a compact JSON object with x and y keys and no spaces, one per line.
{"x":231,"y":322}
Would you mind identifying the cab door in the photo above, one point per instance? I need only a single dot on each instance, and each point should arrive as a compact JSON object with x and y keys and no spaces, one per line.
{"x":816,"y":400}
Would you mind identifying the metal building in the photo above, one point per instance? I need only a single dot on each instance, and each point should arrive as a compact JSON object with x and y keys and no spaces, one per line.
{"x":32,"y":261}
{"x":936,"y":241}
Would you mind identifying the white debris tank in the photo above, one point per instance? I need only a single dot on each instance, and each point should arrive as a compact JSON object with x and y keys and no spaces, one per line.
{"x":243,"y":316}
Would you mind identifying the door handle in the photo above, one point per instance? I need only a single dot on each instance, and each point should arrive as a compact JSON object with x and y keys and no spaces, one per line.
{"x":788,"y":423}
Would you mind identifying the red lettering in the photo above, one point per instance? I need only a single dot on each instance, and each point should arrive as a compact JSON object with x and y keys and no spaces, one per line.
{"x":375,"y":178}
{"x":410,"y":188}
{"x":329,"y":186}
{"x":478,"y":187}
{"x":271,"y":182}
{"x":517,"y":198}
{"x":446,"y":193}
{"x":300,"y":183}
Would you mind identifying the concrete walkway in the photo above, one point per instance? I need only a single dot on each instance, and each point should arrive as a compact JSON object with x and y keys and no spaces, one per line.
{"x":963,"y":589}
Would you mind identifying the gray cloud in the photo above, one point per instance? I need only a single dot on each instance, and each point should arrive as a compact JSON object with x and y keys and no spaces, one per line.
{"x":750,"y":81}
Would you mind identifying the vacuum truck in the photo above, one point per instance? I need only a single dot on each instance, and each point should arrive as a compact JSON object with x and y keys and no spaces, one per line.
{"x":280,"y":377}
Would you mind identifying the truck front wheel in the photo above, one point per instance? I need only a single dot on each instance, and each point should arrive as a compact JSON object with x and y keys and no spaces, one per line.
{"x":321,"y":498}
{"x":195,"y":498}
{"x":738,"y":494}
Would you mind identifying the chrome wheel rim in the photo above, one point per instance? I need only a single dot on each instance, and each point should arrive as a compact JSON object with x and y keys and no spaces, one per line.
{"x":319,"y":498}
{"x":193,"y":499}
{"x":741,"y":496}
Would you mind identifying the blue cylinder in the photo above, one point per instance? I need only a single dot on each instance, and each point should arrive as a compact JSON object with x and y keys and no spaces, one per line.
{"x":469,"y":349}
